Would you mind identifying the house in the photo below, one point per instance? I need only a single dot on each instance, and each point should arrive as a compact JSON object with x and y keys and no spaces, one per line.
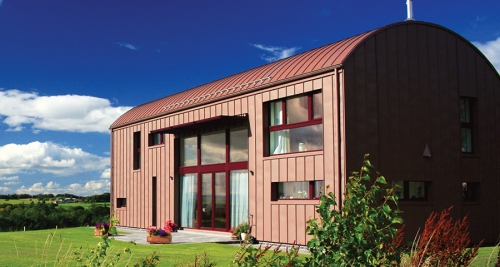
{"x":261,"y":145}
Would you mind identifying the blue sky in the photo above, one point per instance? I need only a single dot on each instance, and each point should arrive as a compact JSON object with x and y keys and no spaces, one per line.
{"x":69,"y":68}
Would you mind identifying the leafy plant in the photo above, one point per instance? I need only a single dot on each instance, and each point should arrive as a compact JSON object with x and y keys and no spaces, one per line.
{"x":244,"y":227}
{"x":199,"y":261}
{"x":363,"y":232}
{"x":444,"y":242}
{"x":249,"y":256}
{"x":113,"y":222}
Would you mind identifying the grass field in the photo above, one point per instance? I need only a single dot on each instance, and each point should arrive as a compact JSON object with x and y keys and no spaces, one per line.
{"x":28,"y":201}
{"x":43,"y":247}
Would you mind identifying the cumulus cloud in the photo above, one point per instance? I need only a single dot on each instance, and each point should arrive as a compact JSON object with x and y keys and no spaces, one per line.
{"x":491,"y":50}
{"x":275,"y":52}
{"x":4,"y":190}
{"x":71,"y":113}
{"x":48,"y":158}
{"x":106,"y":173}
{"x":94,"y":187}
{"x":128,"y":46}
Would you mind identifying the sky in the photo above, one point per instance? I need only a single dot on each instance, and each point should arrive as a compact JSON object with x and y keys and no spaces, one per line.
{"x":70,"y":68}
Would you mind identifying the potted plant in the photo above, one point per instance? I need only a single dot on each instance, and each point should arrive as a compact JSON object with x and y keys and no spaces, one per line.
{"x":171,"y":226}
{"x":244,"y":229}
{"x":158,"y":236}
{"x":101,"y":228}
{"x":235,"y":234}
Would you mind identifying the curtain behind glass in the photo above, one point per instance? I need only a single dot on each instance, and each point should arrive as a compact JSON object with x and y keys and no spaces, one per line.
{"x":188,"y":200}
{"x":239,"y":196}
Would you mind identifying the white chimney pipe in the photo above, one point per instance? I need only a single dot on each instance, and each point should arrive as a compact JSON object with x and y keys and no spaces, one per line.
{"x":409,"y":7}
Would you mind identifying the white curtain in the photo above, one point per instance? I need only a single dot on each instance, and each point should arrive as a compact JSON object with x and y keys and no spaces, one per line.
{"x":280,"y":143}
{"x":188,"y":200}
{"x":239,"y":197}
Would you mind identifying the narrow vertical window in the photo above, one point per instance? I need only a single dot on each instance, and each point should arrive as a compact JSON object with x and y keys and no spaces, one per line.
{"x":466,"y":124}
{"x":154,"y":206}
{"x":137,"y":150}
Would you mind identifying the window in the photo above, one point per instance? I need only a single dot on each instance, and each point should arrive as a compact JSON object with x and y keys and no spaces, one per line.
{"x":213,"y":148}
{"x":137,"y":150}
{"x":470,"y":191}
{"x":121,"y":202}
{"x":238,"y":145}
{"x":188,"y":153}
{"x":156,"y":139}
{"x":411,"y":190}
{"x":466,"y":126}
{"x":296,"y":124}
{"x":297,"y":190}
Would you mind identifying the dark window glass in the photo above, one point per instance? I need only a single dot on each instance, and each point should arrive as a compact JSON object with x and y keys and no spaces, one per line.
{"x":466,"y":126}
{"x":238,"y":145}
{"x":137,"y":150}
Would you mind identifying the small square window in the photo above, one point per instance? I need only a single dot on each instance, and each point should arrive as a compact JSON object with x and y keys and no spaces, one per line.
{"x":470,"y":191}
{"x":156,"y":139}
{"x":121,"y":202}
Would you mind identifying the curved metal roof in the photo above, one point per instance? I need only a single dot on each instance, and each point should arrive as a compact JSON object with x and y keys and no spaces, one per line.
{"x":324,"y":57}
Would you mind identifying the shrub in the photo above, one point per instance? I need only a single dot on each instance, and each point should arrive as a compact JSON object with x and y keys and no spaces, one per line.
{"x":363,"y":231}
{"x":249,"y":256}
{"x":444,"y":242}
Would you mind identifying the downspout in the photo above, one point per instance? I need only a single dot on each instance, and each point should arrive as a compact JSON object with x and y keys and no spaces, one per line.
{"x":340,"y":109}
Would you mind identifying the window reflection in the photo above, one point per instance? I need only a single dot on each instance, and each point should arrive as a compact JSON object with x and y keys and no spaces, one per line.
{"x":188,"y":151}
{"x":213,"y":148}
{"x":238,"y":145}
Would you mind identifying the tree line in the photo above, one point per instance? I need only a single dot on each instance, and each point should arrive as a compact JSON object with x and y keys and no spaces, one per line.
{"x":47,"y":197}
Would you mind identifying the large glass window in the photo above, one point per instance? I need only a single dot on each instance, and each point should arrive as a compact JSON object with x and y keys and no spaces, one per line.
{"x":296,"y":124}
{"x":188,"y":151}
{"x":213,"y":148}
{"x":189,"y":200}
{"x":239,"y":196}
{"x":238,"y":145}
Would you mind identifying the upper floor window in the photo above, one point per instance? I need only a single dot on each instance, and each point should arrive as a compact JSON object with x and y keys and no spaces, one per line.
{"x":296,"y":124}
{"x":466,"y":124}
{"x":411,"y":190}
{"x":137,"y":150}
{"x":156,"y":139}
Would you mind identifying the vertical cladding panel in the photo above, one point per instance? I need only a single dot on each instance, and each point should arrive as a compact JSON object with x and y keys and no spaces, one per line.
{"x":230,"y":108}
{"x":319,"y":168}
{"x":282,"y":92}
{"x":275,"y":175}
{"x":310,"y":168}
{"x":225,"y":108}
{"x":300,"y":169}
{"x":308,"y":86}
{"x":290,"y":90}
{"x":292,"y":223}
{"x":213,"y":111}
{"x":291,"y":170}
{"x":328,"y":131}
{"x":171,"y":173}
{"x":273,"y":94}
{"x":267,"y":216}
{"x":261,"y":199}
{"x":393,"y":84}
{"x":283,"y":174}
{"x":275,"y":226}
{"x":371,"y":111}
{"x":310,"y":213}
{"x":301,"y":225}
{"x":283,"y":223}
{"x":317,"y":84}
{"x":218,"y":110}
{"x":299,"y":88}
{"x":404,"y":98}
{"x":265,"y":96}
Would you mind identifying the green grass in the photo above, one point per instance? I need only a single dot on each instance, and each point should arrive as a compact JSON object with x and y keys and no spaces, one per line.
{"x":82,"y":204}
{"x":484,"y":255}
{"x":29,"y":249}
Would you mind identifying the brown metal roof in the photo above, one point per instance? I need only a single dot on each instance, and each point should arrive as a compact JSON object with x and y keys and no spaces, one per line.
{"x":298,"y":65}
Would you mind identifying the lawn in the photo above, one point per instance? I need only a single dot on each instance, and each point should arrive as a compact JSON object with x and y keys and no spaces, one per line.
{"x":43,"y":247}
{"x":27,"y":201}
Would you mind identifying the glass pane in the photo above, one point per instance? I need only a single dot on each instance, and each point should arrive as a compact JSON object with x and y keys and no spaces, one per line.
{"x":416,"y":190}
{"x":464,"y":110}
{"x":238,"y":145}
{"x":206,"y":200}
{"x":297,"y":139}
{"x":189,"y":200}
{"x":213,"y":148}
{"x":318,"y":105}
{"x":293,"y":190}
{"x":220,"y":200}
{"x":466,"y":140}
{"x":188,"y":151}
{"x":239,"y":196}
{"x":296,"y":109}
{"x":276,"y":113}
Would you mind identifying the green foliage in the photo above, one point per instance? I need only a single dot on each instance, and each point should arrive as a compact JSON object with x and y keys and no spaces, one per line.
{"x":249,"y":256}
{"x":199,"y":261}
{"x":361,"y":233}
{"x":113,"y":222}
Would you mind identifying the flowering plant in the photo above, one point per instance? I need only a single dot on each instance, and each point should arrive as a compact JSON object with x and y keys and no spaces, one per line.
{"x":102,"y":226}
{"x":157,"y":232}
{"x":171,"y":226}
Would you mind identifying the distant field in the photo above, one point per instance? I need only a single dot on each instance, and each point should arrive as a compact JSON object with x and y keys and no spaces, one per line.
{"x":28,"y":201}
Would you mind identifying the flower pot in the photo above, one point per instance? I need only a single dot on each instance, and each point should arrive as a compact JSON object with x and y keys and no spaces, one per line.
{"x":159,"y":239}
{"x":98,"y":232}
{"x":244,"y":236}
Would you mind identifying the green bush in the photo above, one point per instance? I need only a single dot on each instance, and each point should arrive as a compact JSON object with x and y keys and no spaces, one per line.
{"x":363,"y":231}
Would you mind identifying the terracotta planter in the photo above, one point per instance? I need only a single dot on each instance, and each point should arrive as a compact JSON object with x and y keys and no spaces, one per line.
{"x":159,"y":239}
{"x":98,"y":232}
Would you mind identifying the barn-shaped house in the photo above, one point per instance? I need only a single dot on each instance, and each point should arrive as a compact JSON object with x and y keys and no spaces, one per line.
{"x":262,"y":145}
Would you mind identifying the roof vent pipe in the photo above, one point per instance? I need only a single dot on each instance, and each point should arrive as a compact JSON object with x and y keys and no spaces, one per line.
{"x":409,"y":7}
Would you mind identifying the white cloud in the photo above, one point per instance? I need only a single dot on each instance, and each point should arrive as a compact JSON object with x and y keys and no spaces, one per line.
{"x":48,"y":158}
{"x":12,"y":178}
{"x":106,"y":173}
{"x":129,"y":46}
{"x":491,"y":50}
{"x":276,"y":52}
{"x":4,"y":190}
{"x":89,"y":188}
{"x":71,"y":113}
